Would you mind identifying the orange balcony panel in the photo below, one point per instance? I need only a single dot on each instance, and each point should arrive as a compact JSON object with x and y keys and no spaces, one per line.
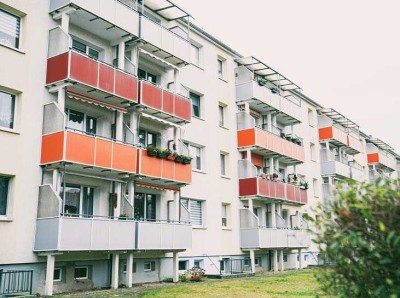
{"x":124,"y":158}
{"x":325,"y":133}
{"x":57,"y":68}
{"x":106,"y":78}
{"x":151,"y":96}
{"x":246,"y":137}
{"x":149,"y":165}
{"x":303,"y":196}
{"x":291,"y":192}
{"x":168,"y":169}
{"x":126,"y":86}
{"x":84,"y":70}
{"x":168,"y":102}
{"x":183,"y":108}
{"x":248,"y":186}
{"x":52,"y":148}
{"x":80,"y":148}
{"x":103,"y":153}
{"x":373,"y":157}
{"x":183,"y":172}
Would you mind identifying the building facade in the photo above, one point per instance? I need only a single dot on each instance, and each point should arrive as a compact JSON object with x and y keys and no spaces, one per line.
{"x":155,"y":148}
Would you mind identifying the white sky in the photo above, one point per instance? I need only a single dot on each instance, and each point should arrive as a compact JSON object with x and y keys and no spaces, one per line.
{"x":344,"y":54}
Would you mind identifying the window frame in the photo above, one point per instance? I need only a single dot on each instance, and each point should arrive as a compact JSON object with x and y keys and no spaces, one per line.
{"x":195,"y":49}
{"x":151,"y":267}
{"x":81,"y":267}
{"x":222,"y":115}
{"x":88,"y":48}
{"x":225,"y":208}
{"x":313,"y":152}
{"x":223,"y":164}
{"x":186,"y":202}
{"x":61,"y":275}
{"x":13,"y":112}
{"x":197,"y":97}
{"x":186,"y":262}
{"x":7,"y":199}
{"x":200,"y":263}
{"x":197,"y":153}
{"x":220,"y":68}
{"x":17,"y":44}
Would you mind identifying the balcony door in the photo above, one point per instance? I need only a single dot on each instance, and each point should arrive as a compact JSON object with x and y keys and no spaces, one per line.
{"x":80,"y":122}
{"x":145,"y":206}
{"x":78,"y":200}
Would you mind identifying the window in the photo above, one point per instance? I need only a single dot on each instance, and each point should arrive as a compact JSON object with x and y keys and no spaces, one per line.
{"x":195,"y":55}
{"x":145,"y":75}
{"x":315,"y":187}
{"x":305,"y":257}
{"x":312,"y":152}
{"x":57,"y":274}
{"x":196,"y":153}
{"x":81,"y":122}
{"x":149,"y":266}
{"x":81,"y":47}
{"x":7,"y":110}
{"x":221,"y":111}
{"x":183,"y":265}
{"x":195,"y":98}
{"x":147,"y":138}
{"x":285,"y":258}
{"x":311,"y":117}
{"x":198,"y":263}
{"x":81,"y":272}
{"x":133,"y":267}
{"x":9,"y":29}
{"x":145,"y":206}
{"x":225,"y":215}
{"x":223,"y":158}
{"x":4,"y":188}
{"x":257,"y":262}
{"x":195,"y":209}
{"x":78,"y":200}
{"x":220,"y":68}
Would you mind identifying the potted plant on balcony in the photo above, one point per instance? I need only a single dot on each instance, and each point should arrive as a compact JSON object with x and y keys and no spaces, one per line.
{"x":304,"y":185}
{"x":275,"y":177}
{"x":186,"y":159}
{"x":151,"y":150}
{"x":171,"y":155}
{"x":162,"y":153}
{"x":283,"y":135}
{"x":178,"y":158}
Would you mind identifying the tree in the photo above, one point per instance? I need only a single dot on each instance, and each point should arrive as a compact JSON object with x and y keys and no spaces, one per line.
{"x":359,"y":231}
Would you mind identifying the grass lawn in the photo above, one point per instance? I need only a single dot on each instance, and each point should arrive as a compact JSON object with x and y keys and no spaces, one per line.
{"x":287,"y":284}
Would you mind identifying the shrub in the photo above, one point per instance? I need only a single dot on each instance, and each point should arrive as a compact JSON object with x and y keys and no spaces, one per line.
{"x":168,"y":279}
{"x":195,"y":274}
{"x":182,"y":278}
{"x":359,"y":232}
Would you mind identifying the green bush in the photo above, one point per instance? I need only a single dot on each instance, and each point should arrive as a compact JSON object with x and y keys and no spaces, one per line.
{"x":168,"y":279}
{"x":359,"y":231}
{"x":182,"y":278}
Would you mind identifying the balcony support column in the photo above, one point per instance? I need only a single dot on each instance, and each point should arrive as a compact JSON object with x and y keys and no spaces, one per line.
{"x":274,"y":120}
{"x":56,"y":180}
{"x":61,"y":98}
{"x":247,"y":107}
{"x":281,"y":267}
{"x":300,"y":259}
{"x":65,"y":22}
{"x":115,"y":271}
{"x":119,"y":126}
{"x":251,"y":205}
{"x":121,"y":55}
{"x":133,"y":122}
{"x":117,"y":206}
{"x":269,"y":121}
{"x":176,"y":206}
{"x":177,"y":81}
{"x":175,"y":267}
{"x":129,"y":269}
{"x":273,"y":215}
{"x":48,"y":288}
{"x":131,"y":191}
{"x":135,"y":58}
{"x":252,"y":261}
{"x":275,"y":260}
{"x":176,"y":140}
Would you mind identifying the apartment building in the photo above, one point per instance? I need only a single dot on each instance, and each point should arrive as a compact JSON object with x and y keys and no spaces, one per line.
{"x":153,"y":148}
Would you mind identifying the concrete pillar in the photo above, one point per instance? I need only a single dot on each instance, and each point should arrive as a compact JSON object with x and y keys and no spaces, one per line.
{"x":269,"y":121}
{"x":275,"y":259}
{"x":48,"y":289}
{"x":273,"y":215}
{"x":56,"y":182}
{"x":121,"y":55}
{"x":271,"y":165}
{"x":274,"y":120}
{"x":61,"y":98}
{"x":115,"y":271}
{"x":281,"y":267}
{"x":133,"y":121}
{"x":135,"y":58}
{"x":251,"y":205}
{"x":65,"y":22}
{"x":177,"y":81}
{"x":117,"y":209}
{"x":129,"y":269}
{"x":175,"y":266}
{"x":247,"y":107}
{"x":119,"y":126}
{"x":252,"y":261}
{"x":300,"y":260}
{"x":176,"y":206}
{"x":176,"y":140}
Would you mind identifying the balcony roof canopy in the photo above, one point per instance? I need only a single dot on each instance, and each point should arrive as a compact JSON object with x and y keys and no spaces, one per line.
{"x":166,"y":8}
{"x":380,"y":144}
{"x":268,"y":73}
{"x":339,"y":118}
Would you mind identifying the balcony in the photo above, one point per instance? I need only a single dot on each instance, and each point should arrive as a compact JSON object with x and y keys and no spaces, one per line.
{"x":383,"y":160}
{"x":109,"y":19}
{"x":164,"y":104}
{"x":162,"y":171}
{"x":331,"y":165}
{"x":340,"y":138}
{"x":164,"y":43}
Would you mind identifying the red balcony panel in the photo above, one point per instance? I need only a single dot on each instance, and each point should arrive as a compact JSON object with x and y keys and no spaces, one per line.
{"x":57,"y":68}
{"x":325,"y":133}
{"x":303,"y":196}
{"x":291,"y":192}
{"x":124,"y":158}
{"x":84,"y":69}
{"x":183,"y":108}
{"x":103,"y":153}
{"x":183,"y":172}
{"x":168,"y":170}
{"x":257,"y":160}
{"x":246,"y":137}
{"x":151,"y":96}
{"x":80,"y":148}
{"x":280,"y":190}
{"x":148,"y":165}
{"x":248,"y":187}
{"x":373,"y":157}
{"x":126,"y":86}
{"x":52,"y":148}
{"x":168,"y":105}
{"x":106,"y":78}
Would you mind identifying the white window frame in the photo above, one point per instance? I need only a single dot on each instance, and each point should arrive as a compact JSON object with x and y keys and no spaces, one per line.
{"x":189,"y":207}
{"x":223,"y":161}
{"x":311,"y":119}
{"x":195,"y":49}
{"x":14,"y":120}
{"x":197,"y":153}
{"x":58,"y":269}
{"x":87,"y":272}
{"x":87,"y":49}
{"x":222,"y":114}
{"x":186,"y":265}
{"x":200,"y":261}
{"x":313,"y":152}
{"x":8,"y":200}
{"x":151,"y":266}
{"x":220,"y":68}
{"x":315,"y":187}
{"x":225,"y":208}
{"x":2,"y":42}
{"x":200,"y":114}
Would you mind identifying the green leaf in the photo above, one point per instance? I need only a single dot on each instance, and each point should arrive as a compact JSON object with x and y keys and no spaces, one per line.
{"x":382,"y":226}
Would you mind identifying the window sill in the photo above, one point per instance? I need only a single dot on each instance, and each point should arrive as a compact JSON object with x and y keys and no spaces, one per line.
{"x":223,"y":80}
{"x":11,"y":48}
{"x":197,"y":66}
{"x":198,"y":171}
{"x":223,"y":127}
{"x":225,"y":177}
{"x":198,"y":118}
{"x":199,"y":227}
{"x":226,"y":229}
{"x":13,"y":131}
{"x":6,"y":219}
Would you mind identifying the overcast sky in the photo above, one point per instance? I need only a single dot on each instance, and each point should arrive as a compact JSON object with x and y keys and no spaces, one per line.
{"x":344,"y":54}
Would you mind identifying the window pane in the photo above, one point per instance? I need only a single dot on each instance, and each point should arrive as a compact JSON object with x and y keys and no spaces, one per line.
{"x":78,"y":46}
{"x":81,"y":272}
{"x":9,"y":29}
{"x":57,"y":274}
{"x":3,"y":194}
{"x":91,"y":124}
{"x":195,"y":104}
{"x":7,"y":106}
{"x":72,"y":199}
{"x":222,"y":159}
{"x":221,"y":115}
{"x":75,"y":120}
{"x":87,"y":203}
{"x":182,"y":265}
{"x":220,"y":69}
{"x":150,"y":207}
{"x":93,"y":53}
{"x":196,"y":213}
{"x":139,"y":205}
